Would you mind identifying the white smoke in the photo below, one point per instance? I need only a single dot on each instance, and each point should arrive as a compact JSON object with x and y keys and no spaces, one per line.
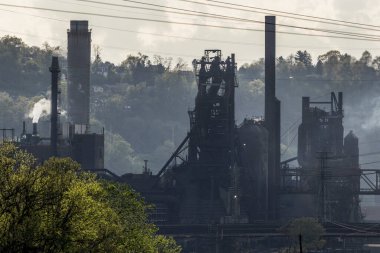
{"x":41,"y":108}
{"x":372,"y":117}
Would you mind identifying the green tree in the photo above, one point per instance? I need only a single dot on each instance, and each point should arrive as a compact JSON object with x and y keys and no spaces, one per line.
{"x":55,"y":207}
{"x":311,"y":231}
{"x":120,"y":156}
{"x":304,"y":60}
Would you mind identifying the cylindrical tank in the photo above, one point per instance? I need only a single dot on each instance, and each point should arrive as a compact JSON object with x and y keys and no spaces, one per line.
{"x":253,"y":146}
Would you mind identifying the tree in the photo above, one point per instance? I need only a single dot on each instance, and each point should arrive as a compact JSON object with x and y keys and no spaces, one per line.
{"x":55,"y":207}
{"x":304,"y":58}
{"x":311,"y":231}
{"x":120,"y":156}
{"x":319,"y":68}
{"x":366,"y":58}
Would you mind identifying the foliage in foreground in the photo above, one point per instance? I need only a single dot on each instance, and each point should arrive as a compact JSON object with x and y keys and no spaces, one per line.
{"x":311,"y":231}
{"x":56,"y":208}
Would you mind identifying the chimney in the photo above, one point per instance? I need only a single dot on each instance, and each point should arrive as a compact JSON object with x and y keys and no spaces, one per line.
{"x":79,"y":63}
{"x":270,"y":65}
{"x":272,"y":116}
{"x":54,"y":69}
{"x":340,"y":102}
{"x":305,"y":106}
{"x":35,"y":131}
{"x":23,"y":128}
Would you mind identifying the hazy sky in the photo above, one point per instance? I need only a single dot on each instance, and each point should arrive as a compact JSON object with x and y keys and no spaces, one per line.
{"x":37,"y":26}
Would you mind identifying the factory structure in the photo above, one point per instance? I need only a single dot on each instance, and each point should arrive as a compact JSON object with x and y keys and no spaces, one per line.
{"x":233,"y":173}
{"x":230,"y":173}
{"x":73,"y":138}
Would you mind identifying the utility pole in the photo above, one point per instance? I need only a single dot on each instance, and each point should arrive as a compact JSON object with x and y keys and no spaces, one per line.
{"x":300,"y":242}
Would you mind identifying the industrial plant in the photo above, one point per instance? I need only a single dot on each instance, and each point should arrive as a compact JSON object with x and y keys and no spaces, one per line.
{"x":225,"y":182}
{"x":73,"y":138}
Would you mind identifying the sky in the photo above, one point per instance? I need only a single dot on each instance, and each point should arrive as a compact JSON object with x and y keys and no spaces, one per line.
{"x":119,"y":37}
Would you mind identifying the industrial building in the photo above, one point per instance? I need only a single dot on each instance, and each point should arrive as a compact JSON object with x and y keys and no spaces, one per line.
{"x":74,"y":137}
{"x":231,"y":177}
{"x":233,"y":174}
{"x":230,"y":174}
{"x":327,"y":180}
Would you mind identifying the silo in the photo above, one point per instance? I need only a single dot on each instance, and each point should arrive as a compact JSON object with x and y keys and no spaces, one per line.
{"x":253,"y":156}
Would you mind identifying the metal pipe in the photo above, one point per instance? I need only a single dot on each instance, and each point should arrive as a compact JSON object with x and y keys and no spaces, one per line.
{"x":54,"y":69}
{"x":272,"y":115}
{"x":35,"y":129}
{"x":270,"y":65}
{"x":340,"y":101}
{"x":23,"y":128}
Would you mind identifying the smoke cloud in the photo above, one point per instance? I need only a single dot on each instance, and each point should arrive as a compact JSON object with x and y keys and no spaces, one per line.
{"x":372,"y":121}
{"x":41,"y":108}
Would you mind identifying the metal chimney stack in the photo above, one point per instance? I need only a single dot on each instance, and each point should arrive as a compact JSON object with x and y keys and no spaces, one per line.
{"x":54,"y":69}
{"x":79,"y":63}
{"x":23,"y":128}
{"x":270,"y":66}
{"x":35,"y":129}
{"x":272,"y":116}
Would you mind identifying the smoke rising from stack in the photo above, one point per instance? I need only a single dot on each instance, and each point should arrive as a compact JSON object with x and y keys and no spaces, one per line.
{"x":40,"y":109}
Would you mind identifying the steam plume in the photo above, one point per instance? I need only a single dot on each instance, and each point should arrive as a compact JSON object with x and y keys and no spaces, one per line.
{"x":41,"y":108}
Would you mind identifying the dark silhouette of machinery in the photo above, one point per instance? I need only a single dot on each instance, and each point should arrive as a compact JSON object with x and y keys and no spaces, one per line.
{"x":229,"y":173}
{"x":74,"y":138}
{"x":329,"y":169}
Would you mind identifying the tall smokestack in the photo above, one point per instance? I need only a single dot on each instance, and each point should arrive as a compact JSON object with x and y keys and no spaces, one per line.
{"x":270,"y":65}
{"x":272,"y":116}
{"x":79,"y":62}
{"x":54,"y":69}
{"x":340,"y":101}
{"x":35,"y":130}
{"x":23,"y":128}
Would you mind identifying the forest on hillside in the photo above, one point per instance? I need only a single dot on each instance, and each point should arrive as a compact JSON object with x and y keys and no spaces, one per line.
{"x":143,"y":102}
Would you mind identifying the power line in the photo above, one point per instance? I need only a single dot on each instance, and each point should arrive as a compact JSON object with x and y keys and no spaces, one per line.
{"x":175,"y":36}
{"x":182,"y":23}
{"x":111,"y":9}
{"x":111,"y":47}
{"x":218,"y":16}
{"x":149,"y":33}
{"x":146,"y":8}
{"x":280,"y":14}
{"x":296,"y":14}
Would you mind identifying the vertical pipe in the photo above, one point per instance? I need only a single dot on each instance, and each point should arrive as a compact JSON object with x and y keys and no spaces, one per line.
{"x":23,"y":128}
{"x":270,"y":65}
{"x":35,"y":130}
{"x":145,"y":167}
{"x":272,"y":114}
{"x":305,"y":107}
{"x":54,"y":69}
{"x":277,"y":149}
{"x":340,"y":101}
